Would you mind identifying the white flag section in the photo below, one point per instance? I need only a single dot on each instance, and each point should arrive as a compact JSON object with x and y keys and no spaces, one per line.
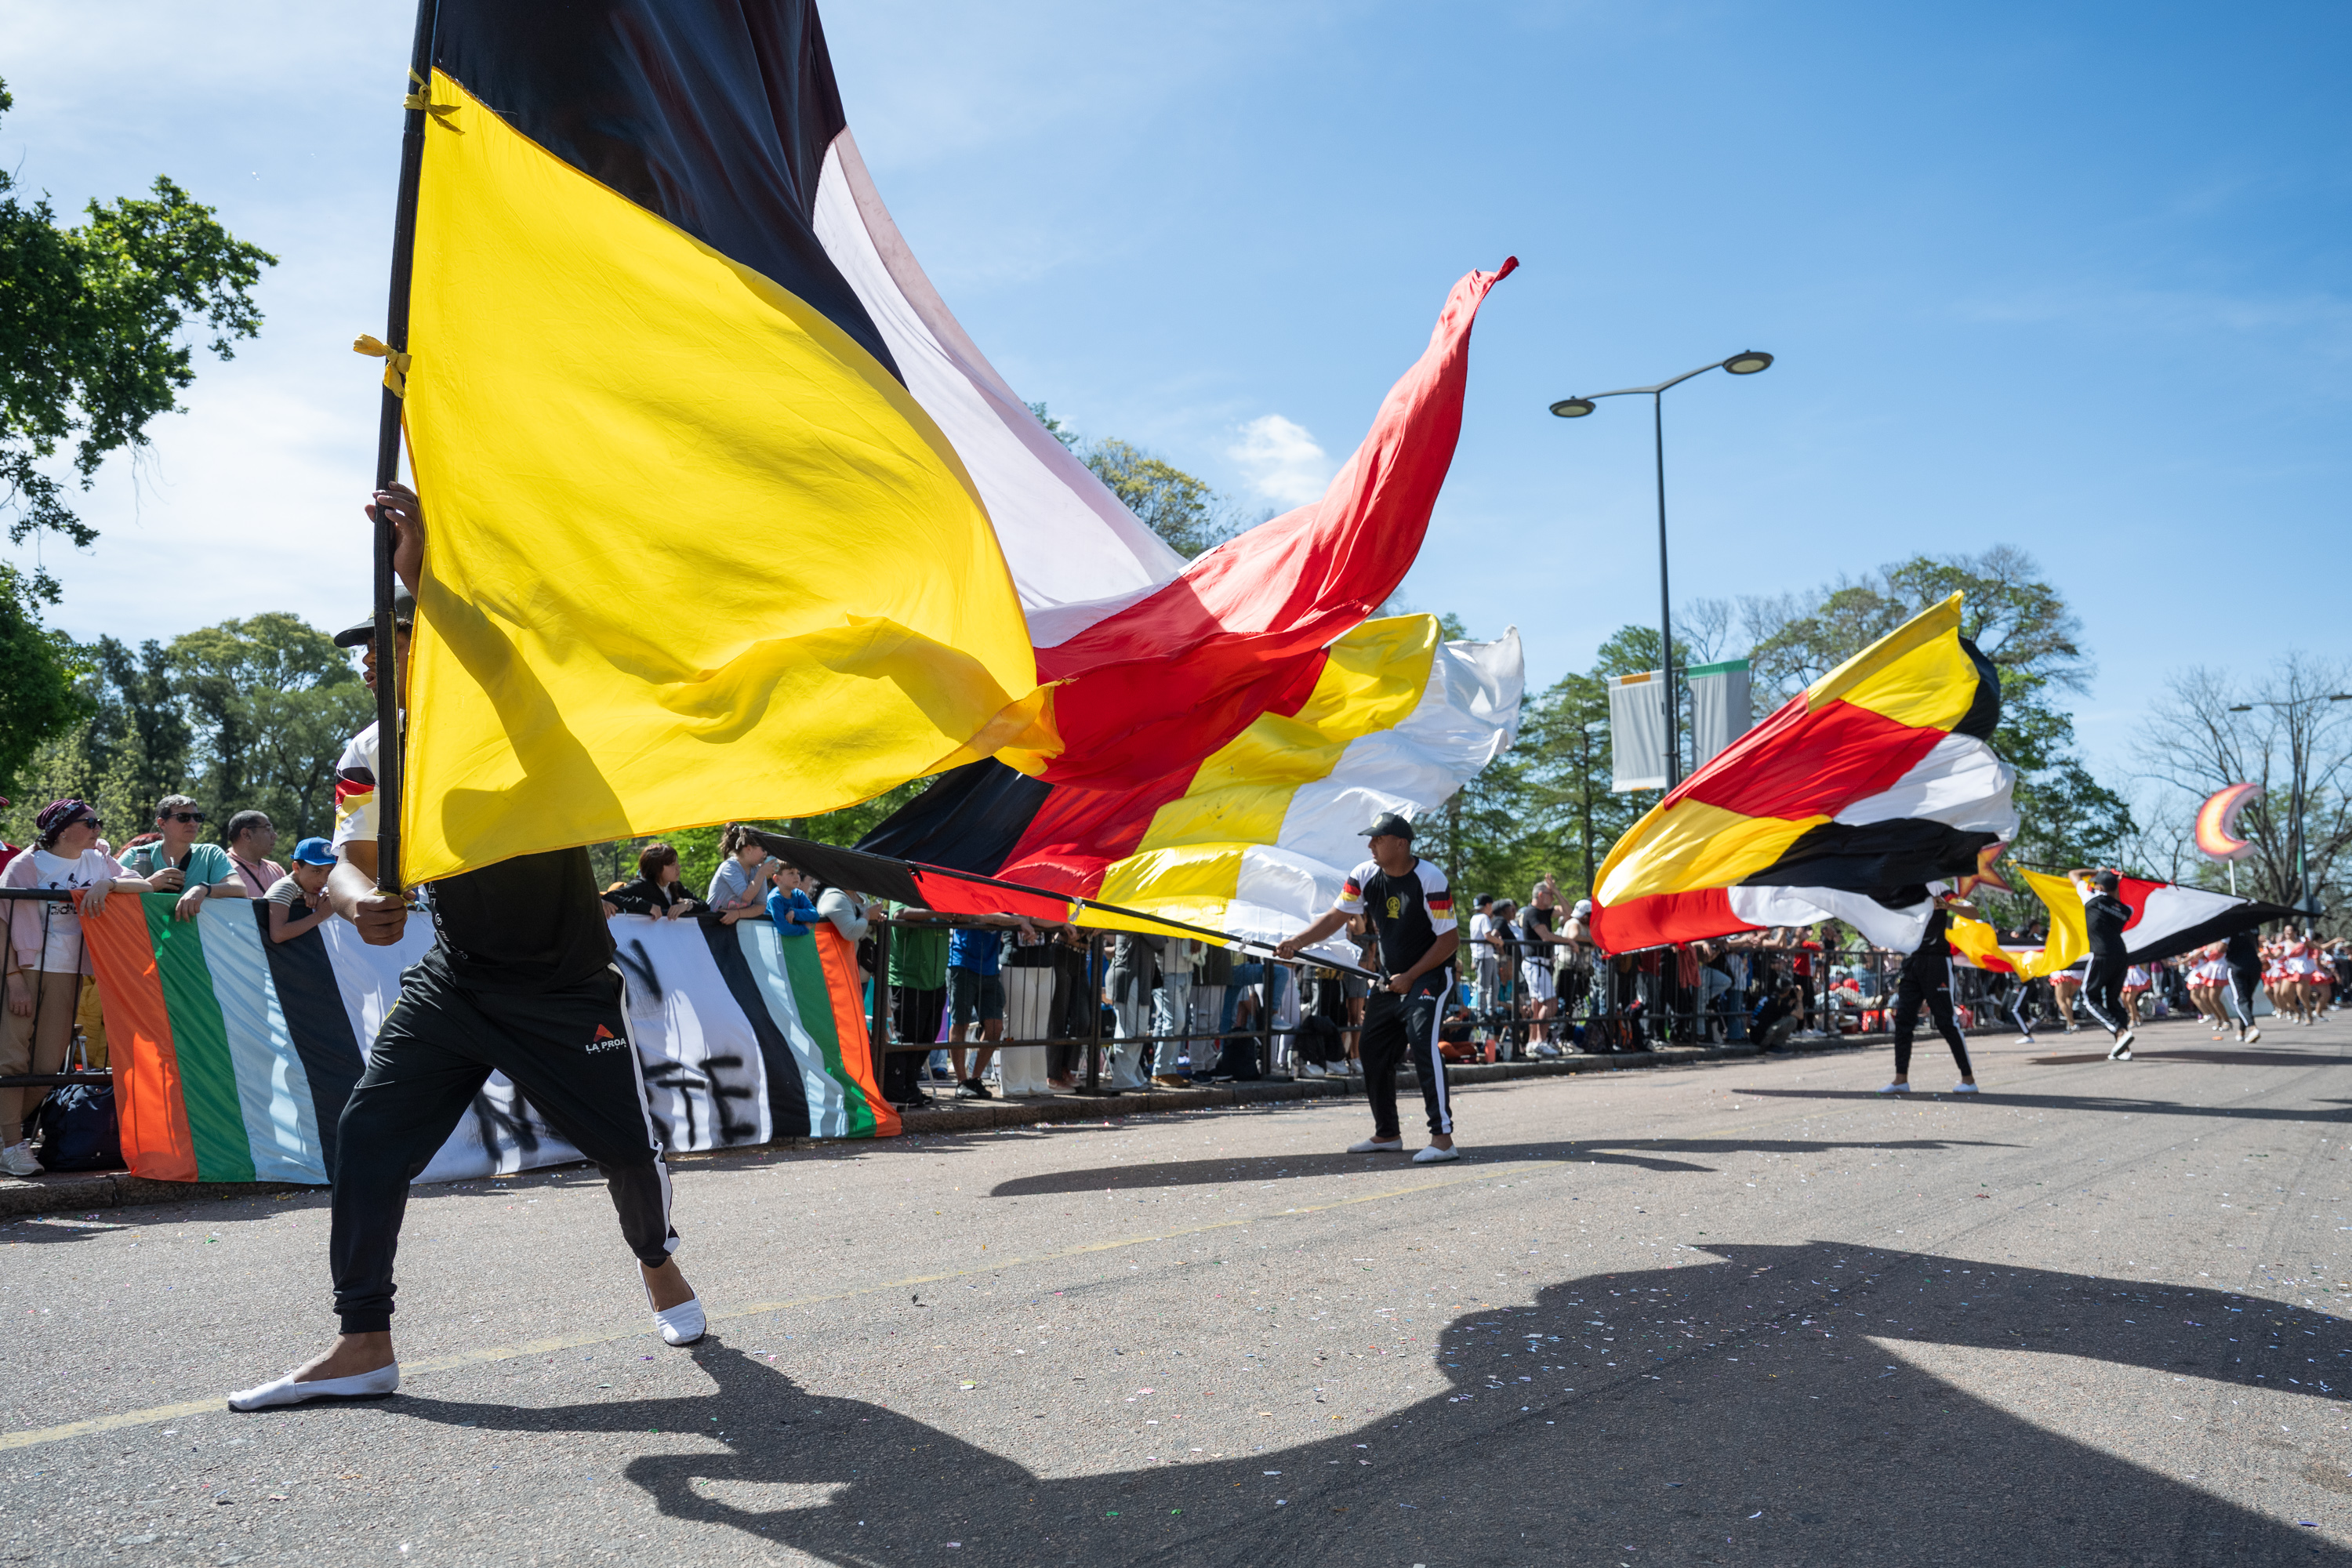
{"x":1637,"y":732}
{"x":1898,"y":929}
{"x":1271,"y":825}
{"x":1721,"y":707}
{"x":2168,"y":920}
{"x":1078,"y":554}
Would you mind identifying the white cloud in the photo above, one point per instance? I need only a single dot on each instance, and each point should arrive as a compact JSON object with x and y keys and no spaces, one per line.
{"x":1281,"y":462}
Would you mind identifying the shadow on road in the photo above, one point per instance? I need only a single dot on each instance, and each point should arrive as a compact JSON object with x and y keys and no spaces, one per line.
{"x":1741,"y":1389}
{"x":2216,"y":1057}
{"x":1646,"y":1153}
{"x":2128,"y":1105}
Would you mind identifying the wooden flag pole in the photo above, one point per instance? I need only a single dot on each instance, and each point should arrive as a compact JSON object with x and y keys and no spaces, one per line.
{"x":391,"y":677}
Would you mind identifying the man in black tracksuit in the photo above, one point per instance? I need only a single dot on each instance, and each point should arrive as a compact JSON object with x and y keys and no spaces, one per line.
{"x":2244,"y":957}
{"x":1927,"y":980}
{"x":2103,"y":918}
{"x":1412,"y":914}
{"x":520,"y":981}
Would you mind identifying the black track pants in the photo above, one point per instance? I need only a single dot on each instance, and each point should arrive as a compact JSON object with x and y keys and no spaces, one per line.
{"x":2241,"y":986}
{"x":2103,"y":994}
{"x":1936,"y":992}
{"x":568,"y":1053}
{"x":1397,"y":1028}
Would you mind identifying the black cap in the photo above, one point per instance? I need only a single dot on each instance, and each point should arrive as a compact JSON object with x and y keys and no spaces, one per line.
{"x":1389,"y":825}
{"x":362,"y":632}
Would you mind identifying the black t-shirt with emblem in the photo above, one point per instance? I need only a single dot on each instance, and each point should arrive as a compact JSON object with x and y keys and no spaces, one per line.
{"x":532,"y":923}
{"x":1408,"y":911}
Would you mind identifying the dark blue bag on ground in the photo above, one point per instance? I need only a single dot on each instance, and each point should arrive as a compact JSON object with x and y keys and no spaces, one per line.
{"x":1242,"y":1059}
{"x":77,"y":1129}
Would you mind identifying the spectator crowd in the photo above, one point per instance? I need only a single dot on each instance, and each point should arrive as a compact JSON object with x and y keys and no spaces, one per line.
{"x":980,"y":1006}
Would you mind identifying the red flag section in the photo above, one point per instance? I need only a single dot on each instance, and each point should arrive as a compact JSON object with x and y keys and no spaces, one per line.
{"x":1160,"y":684}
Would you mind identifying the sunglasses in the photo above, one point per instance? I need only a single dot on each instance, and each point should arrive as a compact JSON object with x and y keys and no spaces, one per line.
{"x":182,"y":816}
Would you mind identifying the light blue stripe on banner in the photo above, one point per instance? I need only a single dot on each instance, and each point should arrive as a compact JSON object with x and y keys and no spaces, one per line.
{"x":828,"y":1113}
{"x":272,"y":1090}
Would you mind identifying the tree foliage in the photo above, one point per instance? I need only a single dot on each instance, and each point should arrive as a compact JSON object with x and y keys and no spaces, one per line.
{"x":90,"y":323}
{"x":2200,"y":742}
{"x":1185,"y":512}
{"x":249,"y":713}
{"x":38,"y":666}
{"x":1546,"y":804}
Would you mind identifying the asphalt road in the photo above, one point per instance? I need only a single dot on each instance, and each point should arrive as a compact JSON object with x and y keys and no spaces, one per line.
{"x":1750,"y":1312}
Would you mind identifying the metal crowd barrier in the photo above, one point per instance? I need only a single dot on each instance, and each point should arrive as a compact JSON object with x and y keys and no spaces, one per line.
{"x":1093,"y":981}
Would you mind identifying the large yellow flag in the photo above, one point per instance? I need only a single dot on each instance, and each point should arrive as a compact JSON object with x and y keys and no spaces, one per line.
{"x":2068,"y":942}
{"x":694,"y":550}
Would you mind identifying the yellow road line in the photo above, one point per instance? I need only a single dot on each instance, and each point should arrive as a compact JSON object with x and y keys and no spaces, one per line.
{"x":573,"y":1341}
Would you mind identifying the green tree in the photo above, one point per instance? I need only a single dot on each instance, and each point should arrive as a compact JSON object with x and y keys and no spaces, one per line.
{"x":90,"y":320}
{"x":2022,"y":624}
{"x":1181,"y":509}
{"x":137,"y":735}
{"x":38,"y":668}
{"x":271,"y":700}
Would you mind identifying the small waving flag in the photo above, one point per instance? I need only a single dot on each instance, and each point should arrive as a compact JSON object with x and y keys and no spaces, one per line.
{"x":1875,"y":781}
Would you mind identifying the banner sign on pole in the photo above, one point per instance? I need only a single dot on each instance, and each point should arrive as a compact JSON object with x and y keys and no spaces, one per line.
{"x":1637,"y":731}
{"x":1721,"y":709}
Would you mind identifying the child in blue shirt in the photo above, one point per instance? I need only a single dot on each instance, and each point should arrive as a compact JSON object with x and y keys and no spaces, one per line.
{"x":790,"y":908}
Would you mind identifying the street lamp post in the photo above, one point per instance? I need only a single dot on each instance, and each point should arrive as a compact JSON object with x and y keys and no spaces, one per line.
{"x":1745,"y":363}
{"x":2294,"y":753}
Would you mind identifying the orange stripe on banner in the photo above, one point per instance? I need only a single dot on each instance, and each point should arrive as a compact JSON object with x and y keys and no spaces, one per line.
{"x":846,"y":991}
{"x":154,"y":1117}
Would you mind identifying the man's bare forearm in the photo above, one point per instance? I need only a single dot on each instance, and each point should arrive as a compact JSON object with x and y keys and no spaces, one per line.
{"x":349,"y":882}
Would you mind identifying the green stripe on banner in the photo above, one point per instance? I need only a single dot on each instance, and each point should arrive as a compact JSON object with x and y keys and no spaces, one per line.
{"x":200,"y":1039}
{"x":804,"y":968}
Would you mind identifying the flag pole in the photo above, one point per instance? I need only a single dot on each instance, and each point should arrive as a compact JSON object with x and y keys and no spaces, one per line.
{"x":391,"y":678}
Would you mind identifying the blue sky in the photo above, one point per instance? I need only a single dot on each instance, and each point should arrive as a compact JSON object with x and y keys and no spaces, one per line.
{"x":2071,"y":278}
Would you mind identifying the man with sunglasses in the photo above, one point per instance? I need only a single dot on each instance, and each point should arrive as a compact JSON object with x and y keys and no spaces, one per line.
{"x":177,"y":864}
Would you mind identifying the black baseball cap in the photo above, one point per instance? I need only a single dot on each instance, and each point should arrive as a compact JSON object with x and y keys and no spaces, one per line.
{"x":1389,"y":825}
{"x":362,"y":632}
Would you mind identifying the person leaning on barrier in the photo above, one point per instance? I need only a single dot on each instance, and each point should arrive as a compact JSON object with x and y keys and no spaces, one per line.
{"x":175,"y":863}
{"x":298,"y":900}
{"x":917,"y":974}
{"x":250,"y":837}
{"x":655,"y":892}
{"x":976,"y":1002}
{"x":47,"y":959}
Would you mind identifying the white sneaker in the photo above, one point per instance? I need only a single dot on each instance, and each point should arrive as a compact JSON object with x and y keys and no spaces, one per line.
{"x":682,"y":1324}
{"x":373,"y":1384}
{"x":1433,"y":1156}
{"x":2121,"y":1050}
{"x":1964,"y":1089}
{"x":2025,"y":1039}
{"x":2253,"y":1033}
{"x":1898,"y":1088}
{"x":1378,"y":1146}
{"x":18,"y":1159}
{"x":1311,"y":1069}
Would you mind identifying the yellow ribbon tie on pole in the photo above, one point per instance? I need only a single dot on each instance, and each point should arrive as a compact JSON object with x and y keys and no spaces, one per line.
{"x":395,"y":362}
{"x":422,"y":98}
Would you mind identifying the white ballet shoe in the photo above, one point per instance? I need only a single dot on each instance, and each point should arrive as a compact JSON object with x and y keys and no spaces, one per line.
{"x":682,"y":1324}
{"x":1433,"y":1156}
{"x":373,"y":1384}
